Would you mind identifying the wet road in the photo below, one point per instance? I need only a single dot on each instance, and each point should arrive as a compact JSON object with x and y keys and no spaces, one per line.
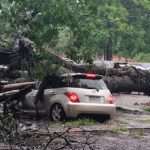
{"x":131,"y":102}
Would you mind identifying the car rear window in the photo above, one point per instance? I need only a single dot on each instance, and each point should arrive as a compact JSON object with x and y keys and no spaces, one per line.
{"x":84,"y":83}
{"x":89,"y":84}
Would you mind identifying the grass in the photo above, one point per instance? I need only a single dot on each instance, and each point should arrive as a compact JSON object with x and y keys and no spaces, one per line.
{"x":146,"y":108}
{"x":81,"y":121}
{"x":136,"y":134}
{"x":118,"y":129}
{"x":144,"y":121}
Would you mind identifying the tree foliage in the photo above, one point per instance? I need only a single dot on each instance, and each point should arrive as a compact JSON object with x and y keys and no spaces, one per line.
{"x":83,"y":28}
{"x":141,"y":57}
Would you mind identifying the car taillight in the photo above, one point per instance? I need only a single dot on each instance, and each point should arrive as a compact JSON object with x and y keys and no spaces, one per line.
{"x":73,"y":97}
{"x":90,"y":76}
{"x":111,"y":99}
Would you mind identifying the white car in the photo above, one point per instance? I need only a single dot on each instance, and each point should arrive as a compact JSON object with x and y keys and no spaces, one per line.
{"x":70,"y":95}
{"x":141,"y":66}
{"x":104,"y":63}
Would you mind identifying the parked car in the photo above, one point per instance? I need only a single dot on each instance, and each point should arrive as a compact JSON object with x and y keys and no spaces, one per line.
{"x":120,"y":64}
{"x":141,"y":66}
{"x":104,"y":63}
{"x":138,"y":66}
{"x":72,"y":95}
{"x":148,"y":69}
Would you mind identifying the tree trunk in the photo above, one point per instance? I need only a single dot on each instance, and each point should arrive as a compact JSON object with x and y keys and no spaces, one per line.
{"x":127,"y":79}
{"x":109,"y":49}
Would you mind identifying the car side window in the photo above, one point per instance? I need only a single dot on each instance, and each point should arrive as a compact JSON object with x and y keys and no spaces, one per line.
{"x":64,"y":82}
{"x":53,"y":82}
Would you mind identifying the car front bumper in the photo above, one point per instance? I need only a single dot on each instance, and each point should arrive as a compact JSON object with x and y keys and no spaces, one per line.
{"x":74,"y":109}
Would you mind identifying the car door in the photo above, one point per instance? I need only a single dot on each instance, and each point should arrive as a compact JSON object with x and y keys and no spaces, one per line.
{"x":42,"y":105}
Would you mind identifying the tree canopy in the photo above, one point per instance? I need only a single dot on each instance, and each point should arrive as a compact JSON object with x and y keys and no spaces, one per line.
{"x":80,"y":28}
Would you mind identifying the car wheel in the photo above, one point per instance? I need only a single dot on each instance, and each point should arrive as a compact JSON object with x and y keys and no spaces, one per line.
{"x":57,"y":113}
{"x":107,"y":117}
{"x":102,"y":118}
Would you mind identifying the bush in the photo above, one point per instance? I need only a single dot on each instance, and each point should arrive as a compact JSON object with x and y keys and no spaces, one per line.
{"x":142,"y":57}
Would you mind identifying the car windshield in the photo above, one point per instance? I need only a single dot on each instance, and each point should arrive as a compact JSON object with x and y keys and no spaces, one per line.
{"x":84,"y":83}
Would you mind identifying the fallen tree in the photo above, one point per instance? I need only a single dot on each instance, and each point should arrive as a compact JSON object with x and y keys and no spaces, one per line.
{"x":127,"y":79}
{"x":17,"y":86}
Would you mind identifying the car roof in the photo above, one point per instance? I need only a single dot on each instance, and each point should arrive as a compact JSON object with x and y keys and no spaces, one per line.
{"x":81,"y":75}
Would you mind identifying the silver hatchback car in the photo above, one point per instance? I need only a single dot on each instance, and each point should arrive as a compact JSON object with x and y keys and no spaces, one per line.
{"x":71,"y":95}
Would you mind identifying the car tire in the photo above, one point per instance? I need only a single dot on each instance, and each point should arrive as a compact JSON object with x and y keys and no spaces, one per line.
{"x":107,"y":117}
{"x":102,"y":118}
{"x":57,"y":113}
